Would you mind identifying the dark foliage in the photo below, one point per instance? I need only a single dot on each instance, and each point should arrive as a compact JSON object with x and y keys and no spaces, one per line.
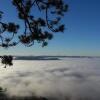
{"x":7,"y":60}
{"x":38,"y":29}
{"x":4,"y":96}
{"x":2,"y":92}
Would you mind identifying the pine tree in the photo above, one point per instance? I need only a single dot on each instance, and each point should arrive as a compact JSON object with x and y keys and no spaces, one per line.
{"x":38,"y":29}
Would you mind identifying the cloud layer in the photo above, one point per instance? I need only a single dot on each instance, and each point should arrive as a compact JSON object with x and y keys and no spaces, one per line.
{"x":68,"y":78}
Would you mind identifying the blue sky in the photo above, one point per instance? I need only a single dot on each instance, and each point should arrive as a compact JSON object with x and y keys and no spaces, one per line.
{"x":81,"y":37}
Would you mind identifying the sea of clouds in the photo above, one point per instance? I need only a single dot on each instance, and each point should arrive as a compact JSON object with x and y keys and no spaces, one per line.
{"x":74,"y":78}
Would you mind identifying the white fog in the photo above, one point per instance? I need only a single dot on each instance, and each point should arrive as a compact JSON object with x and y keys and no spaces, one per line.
{"x":73,"y":78}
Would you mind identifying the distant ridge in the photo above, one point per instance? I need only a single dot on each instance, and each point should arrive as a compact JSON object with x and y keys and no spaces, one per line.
{"x":49,"y":57}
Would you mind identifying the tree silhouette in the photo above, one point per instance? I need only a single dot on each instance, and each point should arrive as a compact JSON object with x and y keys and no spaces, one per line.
{"x":38,"y":29}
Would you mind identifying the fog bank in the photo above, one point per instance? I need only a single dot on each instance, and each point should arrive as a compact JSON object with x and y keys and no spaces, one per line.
{"x":55,"y":79}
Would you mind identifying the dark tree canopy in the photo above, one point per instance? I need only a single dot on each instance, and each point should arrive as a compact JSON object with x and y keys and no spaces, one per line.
{"x":38,"y":29}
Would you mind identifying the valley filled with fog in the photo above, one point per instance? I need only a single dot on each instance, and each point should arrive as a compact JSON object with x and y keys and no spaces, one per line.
{"x":74,"y":78}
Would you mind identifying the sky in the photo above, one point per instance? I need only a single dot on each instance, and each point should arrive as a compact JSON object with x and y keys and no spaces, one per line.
{"x":81,"y":36}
